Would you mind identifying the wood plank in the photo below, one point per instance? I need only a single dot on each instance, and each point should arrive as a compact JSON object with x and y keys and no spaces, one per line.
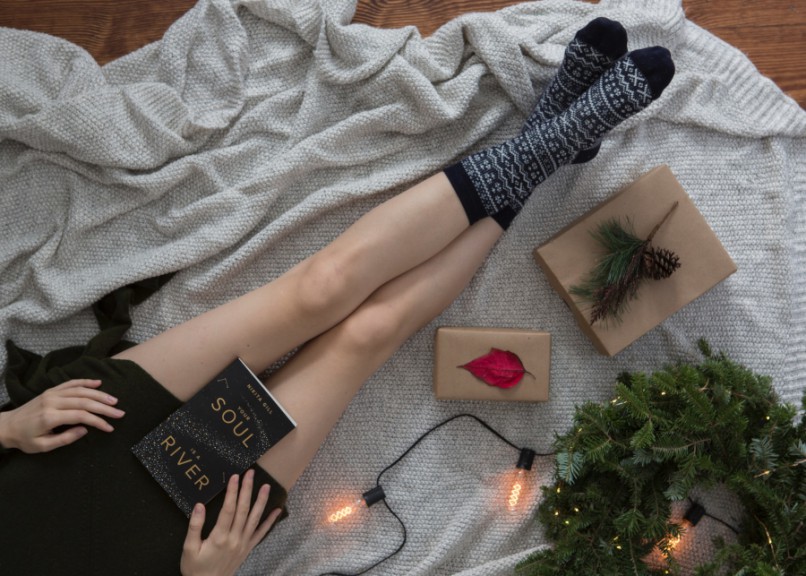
{"x":741,"y":13}
{"x":427,"y":15}
{"x":772,"y":33}
{"x":107,"y":29}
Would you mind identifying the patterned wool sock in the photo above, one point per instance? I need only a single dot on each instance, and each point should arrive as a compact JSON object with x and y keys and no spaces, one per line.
{"x":593,"y":50}
{"x":498,"y":180}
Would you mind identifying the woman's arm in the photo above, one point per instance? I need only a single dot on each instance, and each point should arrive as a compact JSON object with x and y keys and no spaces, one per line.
{"x":75,"y":404}
{"x":234,"y":535}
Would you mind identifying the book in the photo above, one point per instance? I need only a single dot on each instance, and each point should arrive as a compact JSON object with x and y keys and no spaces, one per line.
{"x":219,"y":432}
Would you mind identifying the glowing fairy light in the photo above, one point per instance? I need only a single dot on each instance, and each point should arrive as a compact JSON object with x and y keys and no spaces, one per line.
{"x":367,"y":499}
{"x":345,"y":512}
{"x":515,"y":494}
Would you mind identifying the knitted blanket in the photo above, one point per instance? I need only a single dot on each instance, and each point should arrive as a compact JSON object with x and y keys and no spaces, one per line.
{"x":255,"y":131}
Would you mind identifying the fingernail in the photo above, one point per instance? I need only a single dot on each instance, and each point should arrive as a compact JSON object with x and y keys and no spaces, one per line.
{"x":119,"y":412}
{"x":198,"y":508}
{"x":251,"y":473}
{"x":111,"y":399}
{"x":111,"y":428}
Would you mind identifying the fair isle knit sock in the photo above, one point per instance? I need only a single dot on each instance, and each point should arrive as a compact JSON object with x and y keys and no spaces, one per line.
{"x":503,"y":176}
{"x":593,"y":50}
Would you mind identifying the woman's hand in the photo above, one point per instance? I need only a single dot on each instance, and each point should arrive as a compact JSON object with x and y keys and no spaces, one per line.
{"x":234,"y":535}
{"x":75,"y":403}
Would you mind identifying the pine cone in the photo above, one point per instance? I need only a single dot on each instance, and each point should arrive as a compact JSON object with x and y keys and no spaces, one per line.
{"x":660,"y":263}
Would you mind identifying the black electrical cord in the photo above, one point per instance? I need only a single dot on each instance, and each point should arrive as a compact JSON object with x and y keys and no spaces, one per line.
{"x":712,"y":517}
{"x":406,"y":453}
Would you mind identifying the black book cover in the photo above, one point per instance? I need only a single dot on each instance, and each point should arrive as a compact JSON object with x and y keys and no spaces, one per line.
{"x":219,"y":432}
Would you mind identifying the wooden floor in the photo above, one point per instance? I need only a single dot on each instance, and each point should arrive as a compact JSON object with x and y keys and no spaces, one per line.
{"x":771,"y":32}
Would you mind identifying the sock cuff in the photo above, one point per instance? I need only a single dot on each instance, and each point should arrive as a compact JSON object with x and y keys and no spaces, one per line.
{"x":504,"y":217}
{"x":466,"y":192}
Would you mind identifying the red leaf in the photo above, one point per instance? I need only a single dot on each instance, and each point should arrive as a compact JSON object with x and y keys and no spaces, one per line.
{"x":499,"y":368}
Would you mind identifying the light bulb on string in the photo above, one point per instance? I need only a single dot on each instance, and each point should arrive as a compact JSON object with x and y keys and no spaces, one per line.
{"x":519,"y":484}
{"x":690,"y":519}
{"x":367,"y":499}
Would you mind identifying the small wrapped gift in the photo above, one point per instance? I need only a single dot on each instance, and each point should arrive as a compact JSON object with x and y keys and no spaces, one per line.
{"x":657,"y":207}
{"x":492,"y":364}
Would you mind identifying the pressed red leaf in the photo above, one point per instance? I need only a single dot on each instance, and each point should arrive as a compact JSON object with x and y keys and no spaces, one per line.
{"x":499,"y":368}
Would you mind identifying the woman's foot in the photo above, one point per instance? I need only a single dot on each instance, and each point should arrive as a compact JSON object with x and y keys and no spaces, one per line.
{"x":499,"y":179}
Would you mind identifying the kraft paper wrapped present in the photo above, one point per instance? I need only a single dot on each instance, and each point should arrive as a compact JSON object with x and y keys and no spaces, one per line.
{"x":456,"y":347}
{"x":569,"y":256}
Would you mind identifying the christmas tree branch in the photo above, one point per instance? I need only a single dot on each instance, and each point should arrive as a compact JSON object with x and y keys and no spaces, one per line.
{"x":712,"y":423}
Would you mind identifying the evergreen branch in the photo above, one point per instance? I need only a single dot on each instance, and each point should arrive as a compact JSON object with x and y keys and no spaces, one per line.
{"x":622,"y":268}
{"x":628,"y":480}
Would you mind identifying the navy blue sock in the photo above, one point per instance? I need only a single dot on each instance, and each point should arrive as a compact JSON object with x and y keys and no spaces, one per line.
{"x":501,"y":178}
{"x":593,"y":50}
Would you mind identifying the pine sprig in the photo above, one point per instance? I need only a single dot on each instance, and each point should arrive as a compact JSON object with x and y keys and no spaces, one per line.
{"x":626,"y":262}
{"x":624,"y":462}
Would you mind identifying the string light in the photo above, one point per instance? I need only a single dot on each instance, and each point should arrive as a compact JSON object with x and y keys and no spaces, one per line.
{"x":367,"y":499}
{"x":693,"y":515}
{"x":519,"y":490}
{"x":346,"y":511}
{"x":515,"y":493}
{"x":525,"y":461}
{"x":673,"y":541}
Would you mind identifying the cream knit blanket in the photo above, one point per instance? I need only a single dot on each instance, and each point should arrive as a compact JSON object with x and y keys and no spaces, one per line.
{"x":256,"y":131}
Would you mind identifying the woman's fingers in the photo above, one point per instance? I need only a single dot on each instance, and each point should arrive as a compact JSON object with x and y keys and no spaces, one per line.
{"x":88,"y":405}
{"x":257,"y":509}
{"x":47,"y":443}
{"x":81,"y":391}
{"x":227,"y":513}
{"x":244,"y":502}
{"x":264,"y":528}
{"x":76,"y":383}
{"x":67,"y":417}
{"x":193,"y":539}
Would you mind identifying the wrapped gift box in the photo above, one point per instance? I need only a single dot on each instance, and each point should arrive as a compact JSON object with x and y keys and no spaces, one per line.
{"x":570,"y":255}
{"x":456,"y":347}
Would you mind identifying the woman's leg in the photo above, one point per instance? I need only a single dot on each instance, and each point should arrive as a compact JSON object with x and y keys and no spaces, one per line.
{"x":312,"y":297}
{"x":318,"y":383}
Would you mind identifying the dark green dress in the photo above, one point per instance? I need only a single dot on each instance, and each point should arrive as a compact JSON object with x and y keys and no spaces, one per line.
{"x":90,"y":507}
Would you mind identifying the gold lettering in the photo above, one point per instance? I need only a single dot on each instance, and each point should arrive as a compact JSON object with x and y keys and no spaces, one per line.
{"x":202,"y":482}
{"x":235,"y":429}
{"x":231,"y":418}
{"x":168,"y":442}
{"x":219,"y":402}
{"x":245,"y":440}
{"x":192,"y":471}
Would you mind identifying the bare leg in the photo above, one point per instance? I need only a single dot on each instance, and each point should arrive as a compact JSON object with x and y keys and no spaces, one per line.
{"x":312,"y":297}
{"x":318,"y":383}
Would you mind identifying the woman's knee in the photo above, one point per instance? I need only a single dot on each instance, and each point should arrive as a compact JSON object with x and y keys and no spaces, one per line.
{"x":375,"y":328}
{"x":324,"y":283}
